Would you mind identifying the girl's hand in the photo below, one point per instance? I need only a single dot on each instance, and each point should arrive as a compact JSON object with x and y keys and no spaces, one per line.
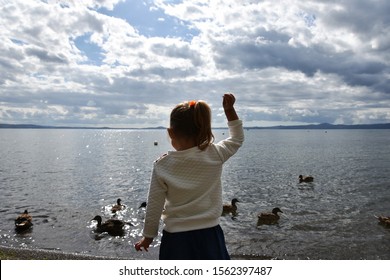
{"x":228,"y":101}
{"x":228,"y":106}
{"x":144,"y":242}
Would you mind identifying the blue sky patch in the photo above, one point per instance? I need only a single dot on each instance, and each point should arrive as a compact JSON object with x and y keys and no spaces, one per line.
{"x":89,"y":49}
{"x":150,"y":21}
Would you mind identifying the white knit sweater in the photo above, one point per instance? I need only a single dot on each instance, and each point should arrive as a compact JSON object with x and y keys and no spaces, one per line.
{"x":186,"y":186}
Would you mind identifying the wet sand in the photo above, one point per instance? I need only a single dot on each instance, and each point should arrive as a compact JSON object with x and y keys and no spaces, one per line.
{"x":7,"y":253}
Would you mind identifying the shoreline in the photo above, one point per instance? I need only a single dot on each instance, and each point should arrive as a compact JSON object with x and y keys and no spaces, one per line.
{"x":9,"y":253}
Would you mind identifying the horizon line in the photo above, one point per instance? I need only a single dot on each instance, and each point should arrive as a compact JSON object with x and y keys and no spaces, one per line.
{"x":304,"y":126}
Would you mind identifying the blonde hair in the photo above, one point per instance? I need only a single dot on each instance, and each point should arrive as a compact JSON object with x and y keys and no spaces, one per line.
{"x":193,"y":120}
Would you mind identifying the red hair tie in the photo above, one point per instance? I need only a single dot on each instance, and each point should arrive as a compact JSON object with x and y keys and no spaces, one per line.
{"x":192,"y":103}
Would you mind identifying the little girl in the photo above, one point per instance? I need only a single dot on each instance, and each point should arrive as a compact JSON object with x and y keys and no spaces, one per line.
{"x":185,"y":188}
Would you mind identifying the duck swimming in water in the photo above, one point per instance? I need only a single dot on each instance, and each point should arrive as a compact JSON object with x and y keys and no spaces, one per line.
{"x":23,"y":221}
{"x":230,"y":208}
{"x":118,"y":206}
{"x":111,"y":226}
{"x":269,"y":218}
{"x":305,"y":179}
{"x":384,"y":220}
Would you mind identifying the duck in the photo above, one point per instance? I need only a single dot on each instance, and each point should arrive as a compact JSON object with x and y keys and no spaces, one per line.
{"x":23,"y":221}
{"x":118,"y":206}
{"x":230,"y":208}
{"x":269,"y":217}
{"x":384,"y":220}
{"x":305,"y":179}
{"x":143,"y":205}
{"x":111,"y":226}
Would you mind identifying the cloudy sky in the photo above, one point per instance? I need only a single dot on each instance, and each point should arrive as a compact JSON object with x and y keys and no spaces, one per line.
{"x":127,"y":63}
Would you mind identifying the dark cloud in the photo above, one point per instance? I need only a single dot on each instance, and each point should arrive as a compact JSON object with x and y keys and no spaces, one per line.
{"x":174,"y":51}
{"x":45,"y":56}
{"x":355,"y":70}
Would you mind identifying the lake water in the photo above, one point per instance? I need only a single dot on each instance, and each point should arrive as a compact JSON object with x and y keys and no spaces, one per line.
{"x":66,"y":177}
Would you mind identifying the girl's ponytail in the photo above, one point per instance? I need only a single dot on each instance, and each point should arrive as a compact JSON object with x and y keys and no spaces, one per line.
{"x":202,"y":120}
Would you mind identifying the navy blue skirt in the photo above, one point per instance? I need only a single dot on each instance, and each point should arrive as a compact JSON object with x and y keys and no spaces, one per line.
{"x":201,"y":244}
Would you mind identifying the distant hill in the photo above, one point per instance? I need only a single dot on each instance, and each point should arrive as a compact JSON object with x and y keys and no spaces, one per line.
{"x":329,"y":126}
{"x":34,"y":126}
{"x":306,"y":127}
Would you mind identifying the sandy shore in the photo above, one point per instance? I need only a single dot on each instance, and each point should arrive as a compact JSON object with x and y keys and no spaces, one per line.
{"x":7,"y":253}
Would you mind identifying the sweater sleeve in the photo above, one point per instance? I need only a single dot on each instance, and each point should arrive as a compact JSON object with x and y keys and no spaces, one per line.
{"x":155,"y":205}
{"x":228,"y":147}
